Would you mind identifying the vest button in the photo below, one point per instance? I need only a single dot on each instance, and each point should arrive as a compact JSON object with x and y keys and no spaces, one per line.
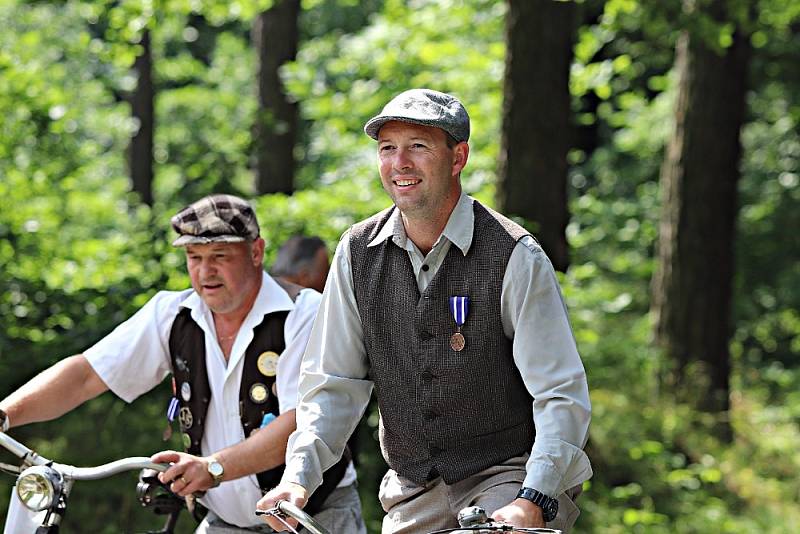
{"x":427,"y":377}
{"x":430,"y":415}
{"x":435,"y":451}
{"x":425,"y":335}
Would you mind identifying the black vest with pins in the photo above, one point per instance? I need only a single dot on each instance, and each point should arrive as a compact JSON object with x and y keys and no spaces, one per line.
{"x":188,"y":353}
{"x":443,"y":412}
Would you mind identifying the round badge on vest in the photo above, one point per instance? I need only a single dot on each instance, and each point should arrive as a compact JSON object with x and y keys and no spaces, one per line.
{"x":186,"y":418}
{"x":187,"y":440}
{"x":186,"y":391}
{"x":275,"y":389}
{"x":267,"y":363}
{"x":181,"y":364}
{"x":259,"y":393}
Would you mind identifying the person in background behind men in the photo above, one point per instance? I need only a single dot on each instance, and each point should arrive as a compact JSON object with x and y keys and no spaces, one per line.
{"x":233,"y":343}
{"x":302,"y":260}
{"x":454,"y":314}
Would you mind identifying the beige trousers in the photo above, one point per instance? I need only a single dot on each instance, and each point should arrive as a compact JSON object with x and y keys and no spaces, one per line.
{"x":415,"y":509}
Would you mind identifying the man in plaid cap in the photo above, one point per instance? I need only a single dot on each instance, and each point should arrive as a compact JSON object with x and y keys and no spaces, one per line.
{"x":453,"y":314}
{"x":233,"y":344}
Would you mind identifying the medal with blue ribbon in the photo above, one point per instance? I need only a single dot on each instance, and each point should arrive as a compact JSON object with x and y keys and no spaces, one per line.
{"x":459,"y":307}
{"x":172,"y":411}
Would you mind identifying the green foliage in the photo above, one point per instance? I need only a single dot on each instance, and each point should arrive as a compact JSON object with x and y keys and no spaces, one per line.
{"x":78,"y":253}
{"x":343,"y":80}
{"x":205,"y":148}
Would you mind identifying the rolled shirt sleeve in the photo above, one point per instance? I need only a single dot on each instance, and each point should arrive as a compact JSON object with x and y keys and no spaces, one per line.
{"x":535,"y":316}
{"x":333,"y":388}
{"x":134,"y":357}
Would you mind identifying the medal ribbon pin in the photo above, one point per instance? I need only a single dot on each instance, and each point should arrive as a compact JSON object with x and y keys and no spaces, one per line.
{"x":459,"y":307}
{"x":172,"y":411}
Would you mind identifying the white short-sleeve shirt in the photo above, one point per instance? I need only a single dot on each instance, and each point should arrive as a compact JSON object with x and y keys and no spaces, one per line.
{"x":135,"y":357}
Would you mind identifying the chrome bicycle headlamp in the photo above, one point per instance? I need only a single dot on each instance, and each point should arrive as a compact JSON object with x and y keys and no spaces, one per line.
{"x":38,"y":487}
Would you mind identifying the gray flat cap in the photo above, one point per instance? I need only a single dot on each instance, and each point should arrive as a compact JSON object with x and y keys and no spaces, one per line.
{"x":426,"y":107}
{"x":215,"y":219}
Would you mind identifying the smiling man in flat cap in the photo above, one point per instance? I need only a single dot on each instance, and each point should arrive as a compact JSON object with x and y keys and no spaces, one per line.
{"x":233,"y":344}
{"x":453,"y":314}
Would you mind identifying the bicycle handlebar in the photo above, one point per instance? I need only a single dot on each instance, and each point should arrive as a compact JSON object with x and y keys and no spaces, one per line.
{"x":286,"y":508}
{"x":30,"y":457}
{"x":21,"y":451}
{"x":111,"y":468}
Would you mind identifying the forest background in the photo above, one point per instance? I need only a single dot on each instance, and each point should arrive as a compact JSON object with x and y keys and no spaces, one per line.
{"x":653,"y":147}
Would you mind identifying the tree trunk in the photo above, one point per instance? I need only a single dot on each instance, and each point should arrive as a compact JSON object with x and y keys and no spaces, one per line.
{"x":275,"y":37}
{"x":693,"y":282}
{"x":537,"y":130}
{"x":140,"y":150}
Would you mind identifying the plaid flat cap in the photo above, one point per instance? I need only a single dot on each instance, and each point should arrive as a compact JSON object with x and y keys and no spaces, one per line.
{"x":215,"y":219}
{"x":426,"y":107}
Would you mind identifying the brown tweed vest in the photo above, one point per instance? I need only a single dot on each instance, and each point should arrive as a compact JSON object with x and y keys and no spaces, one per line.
{"x":443,"y":412}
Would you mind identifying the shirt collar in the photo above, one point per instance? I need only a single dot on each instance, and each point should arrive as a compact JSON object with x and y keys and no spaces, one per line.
{"x":459,"y":228}
{"x":393,"y":228}
{"x":461,"y":225}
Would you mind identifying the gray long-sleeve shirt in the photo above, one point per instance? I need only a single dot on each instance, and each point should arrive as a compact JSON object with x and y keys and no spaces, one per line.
{"x":334,"y":390}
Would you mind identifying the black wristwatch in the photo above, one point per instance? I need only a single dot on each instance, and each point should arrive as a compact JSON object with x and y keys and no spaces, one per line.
{"x":548,"y":505}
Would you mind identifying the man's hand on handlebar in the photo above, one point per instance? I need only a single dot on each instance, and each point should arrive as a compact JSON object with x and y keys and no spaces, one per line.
{"x":188,"y":474}
{"x":520,"y":513}
{"x":293,"y":493}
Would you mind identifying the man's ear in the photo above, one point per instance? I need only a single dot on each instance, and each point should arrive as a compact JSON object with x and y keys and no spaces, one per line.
{"x":257,"y":252}
{"x":460,"y":156}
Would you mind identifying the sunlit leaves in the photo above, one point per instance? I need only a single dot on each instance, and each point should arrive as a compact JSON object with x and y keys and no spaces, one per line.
{"x":343,"y":81}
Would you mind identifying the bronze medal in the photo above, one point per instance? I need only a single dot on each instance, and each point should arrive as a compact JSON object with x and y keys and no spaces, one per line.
{"x":457,"y":342}
{"x":459,"y":308}
{"x":186,"y":418}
